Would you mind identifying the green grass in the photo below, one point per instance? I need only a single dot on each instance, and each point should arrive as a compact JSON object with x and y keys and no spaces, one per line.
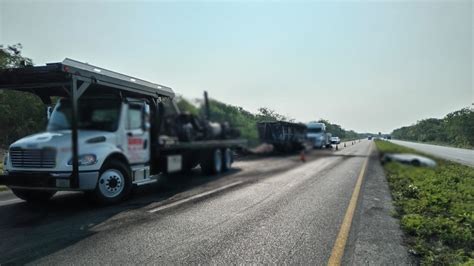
{"x":435,"y":207}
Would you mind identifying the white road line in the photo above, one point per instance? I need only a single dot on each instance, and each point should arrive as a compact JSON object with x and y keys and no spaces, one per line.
{"x":198,"y":196}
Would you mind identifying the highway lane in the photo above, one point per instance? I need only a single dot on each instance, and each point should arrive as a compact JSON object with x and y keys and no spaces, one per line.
{"x":463,"y":156}
{"x":285,"y":211}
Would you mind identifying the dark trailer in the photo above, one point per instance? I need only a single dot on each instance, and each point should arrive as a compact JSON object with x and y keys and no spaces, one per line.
{"x":284,"y":136}
{"x":71,"y":81}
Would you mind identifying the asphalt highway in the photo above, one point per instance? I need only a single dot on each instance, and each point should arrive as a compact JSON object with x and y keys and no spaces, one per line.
{"x":267,"y":210}
{"x":463,"y":156}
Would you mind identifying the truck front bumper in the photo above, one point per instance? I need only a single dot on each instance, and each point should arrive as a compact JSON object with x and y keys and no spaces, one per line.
{"x":317,"y":143}
{"x":50,"y":181}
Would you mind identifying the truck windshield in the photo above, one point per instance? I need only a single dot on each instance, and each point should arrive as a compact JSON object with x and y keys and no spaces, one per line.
{"x":93,"y":114}
{"x":314,"y":130}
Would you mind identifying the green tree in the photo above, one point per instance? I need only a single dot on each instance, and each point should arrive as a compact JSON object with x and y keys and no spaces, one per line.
{"x":21,"y":113}
{"x":186,"y":106}
{"x":10,"y":56}
{"x":267,"y":114}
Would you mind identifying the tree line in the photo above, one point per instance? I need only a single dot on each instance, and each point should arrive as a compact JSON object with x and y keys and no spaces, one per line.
{"x":337,"y":130}
{"x":455,"y":129}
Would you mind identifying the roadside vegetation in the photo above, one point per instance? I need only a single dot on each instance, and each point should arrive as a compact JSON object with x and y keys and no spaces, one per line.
{"x":435,"y":207}
{"x":455,"y":129}
{"x":20,"y":113}
{"x":338,"y":131}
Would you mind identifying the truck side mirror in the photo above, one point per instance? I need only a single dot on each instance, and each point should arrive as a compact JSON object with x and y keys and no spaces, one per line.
{"x":49,"y":111}
{"x":146,"y":117}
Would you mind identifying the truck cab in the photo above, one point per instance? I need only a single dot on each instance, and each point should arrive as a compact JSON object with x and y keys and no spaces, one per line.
{"x":112,"y":131}
{"x":317,"y":134}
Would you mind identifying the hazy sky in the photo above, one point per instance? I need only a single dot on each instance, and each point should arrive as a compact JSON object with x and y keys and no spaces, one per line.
{"x":366,"y":65}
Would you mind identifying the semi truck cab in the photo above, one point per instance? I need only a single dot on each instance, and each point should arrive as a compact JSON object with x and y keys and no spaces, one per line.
{"x":109,"y":129}
{"x":317,"y":134}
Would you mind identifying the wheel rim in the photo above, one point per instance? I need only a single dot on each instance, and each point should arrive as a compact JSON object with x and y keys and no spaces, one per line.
{"x":228,"y":158}
{"x":217,"y":161}
{"x":111,"y":183}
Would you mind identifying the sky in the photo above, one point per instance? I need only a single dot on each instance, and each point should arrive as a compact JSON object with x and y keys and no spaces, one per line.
{"x":370,"y":66}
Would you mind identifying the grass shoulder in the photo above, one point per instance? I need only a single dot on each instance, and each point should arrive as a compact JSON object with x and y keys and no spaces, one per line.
{"x":435,"y":207}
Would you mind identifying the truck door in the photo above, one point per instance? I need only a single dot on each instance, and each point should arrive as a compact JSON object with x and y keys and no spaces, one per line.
{"x":138,"y":135}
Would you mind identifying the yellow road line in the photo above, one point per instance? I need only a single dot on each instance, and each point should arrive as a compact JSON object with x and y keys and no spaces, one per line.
{"x":340,"y":244}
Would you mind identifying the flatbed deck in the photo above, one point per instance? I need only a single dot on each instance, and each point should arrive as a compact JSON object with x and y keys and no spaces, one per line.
{"x":204,"y":144}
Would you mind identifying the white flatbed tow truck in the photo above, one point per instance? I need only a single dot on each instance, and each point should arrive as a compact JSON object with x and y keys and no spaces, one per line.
{"x":107,"y":133}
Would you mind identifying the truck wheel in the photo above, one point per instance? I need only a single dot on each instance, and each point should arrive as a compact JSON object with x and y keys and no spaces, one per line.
{"x":114,"y":183}
{"x":227,"y":159}
{"x":32,"y":196}
{"x":212,"y":162}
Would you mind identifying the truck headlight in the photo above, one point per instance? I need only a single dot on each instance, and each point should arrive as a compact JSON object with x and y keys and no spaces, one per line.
{"x":85,"y":159}
{"x":5,"y":159}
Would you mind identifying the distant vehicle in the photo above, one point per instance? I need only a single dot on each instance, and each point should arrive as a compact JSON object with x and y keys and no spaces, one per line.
{"x":369,"y":137}
{"x":318,"y":136}
{"x":335,"y":140}
{"x":389,"y":137}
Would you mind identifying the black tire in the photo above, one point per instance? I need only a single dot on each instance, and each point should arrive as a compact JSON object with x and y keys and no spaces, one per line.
{"x":211,"y":162}
{"x":33,"y":196}
{"x":227,"y":159}
{"x":114,"y":183}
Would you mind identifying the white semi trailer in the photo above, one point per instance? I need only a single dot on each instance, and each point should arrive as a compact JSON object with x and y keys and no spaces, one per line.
{"x":107,"y":133}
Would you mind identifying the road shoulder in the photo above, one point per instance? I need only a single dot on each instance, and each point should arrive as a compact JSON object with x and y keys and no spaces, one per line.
{"x":376,"y":237}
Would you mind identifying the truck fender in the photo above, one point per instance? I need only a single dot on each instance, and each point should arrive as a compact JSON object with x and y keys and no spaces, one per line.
{"x":118,"y":157}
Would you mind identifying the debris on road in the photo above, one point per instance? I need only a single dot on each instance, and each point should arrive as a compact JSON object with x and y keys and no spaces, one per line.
{"x":408,"y":158}
{"x":263,"y":148}
{"x":303,"y":156}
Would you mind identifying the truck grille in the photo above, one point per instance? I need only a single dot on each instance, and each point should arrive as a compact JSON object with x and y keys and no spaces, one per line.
{"x":33,"y":158}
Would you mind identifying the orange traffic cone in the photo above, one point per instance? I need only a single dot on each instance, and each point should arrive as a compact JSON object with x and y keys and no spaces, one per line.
{"x":302,"y":156}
